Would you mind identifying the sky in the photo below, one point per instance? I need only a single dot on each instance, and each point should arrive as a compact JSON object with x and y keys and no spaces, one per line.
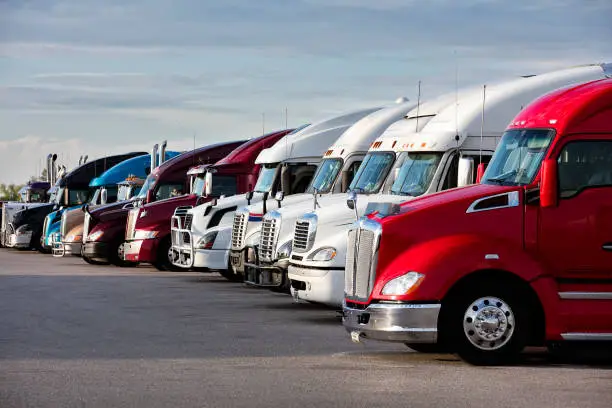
{"x":98,"y":77}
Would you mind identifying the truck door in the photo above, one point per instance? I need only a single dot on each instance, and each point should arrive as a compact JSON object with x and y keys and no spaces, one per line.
{"x":575,"y":237}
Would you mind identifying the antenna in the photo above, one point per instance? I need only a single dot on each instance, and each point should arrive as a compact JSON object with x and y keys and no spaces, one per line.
{"x":456,"y":97}
{"x":484,"y":95}
{"x":418,"y":107}
{"x":286,"y":118}
{"x":263,"y":123}
{"x":193,"y":151}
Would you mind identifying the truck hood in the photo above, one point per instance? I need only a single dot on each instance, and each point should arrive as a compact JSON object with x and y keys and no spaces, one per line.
{"x":162,"y":211}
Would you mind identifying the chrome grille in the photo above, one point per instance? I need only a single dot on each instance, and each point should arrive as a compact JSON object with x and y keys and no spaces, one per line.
{"x":239,"y":229}
{"x":360,"y":271}
{"x":188,"y":221}
{"x":63,"y":226}
{"x":131,"y":223}
{"x":304,"y":233}
{"x":86,"y":226}
{"x":270,"y":226}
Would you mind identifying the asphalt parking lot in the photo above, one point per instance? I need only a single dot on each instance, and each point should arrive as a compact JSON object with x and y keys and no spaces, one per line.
{"x":75,"y":335}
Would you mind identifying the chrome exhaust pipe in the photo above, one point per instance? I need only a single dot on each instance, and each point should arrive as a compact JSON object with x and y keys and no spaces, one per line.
{"x":162,"y":153}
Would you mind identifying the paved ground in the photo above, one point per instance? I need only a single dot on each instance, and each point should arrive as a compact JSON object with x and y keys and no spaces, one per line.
{"x":75,"y":335}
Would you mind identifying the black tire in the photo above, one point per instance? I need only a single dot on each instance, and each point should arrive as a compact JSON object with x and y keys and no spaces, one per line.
{"x":116,"y":257}
{"x":92,"y":262}
{"x":230,"y":275}
{"x":427,"y":348}
{"x":163,"y":262}
{"x":497,"y":341}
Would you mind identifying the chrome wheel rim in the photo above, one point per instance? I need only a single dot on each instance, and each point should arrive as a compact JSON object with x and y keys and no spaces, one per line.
{"x":121,"y":251}
{"x":488,"y":323}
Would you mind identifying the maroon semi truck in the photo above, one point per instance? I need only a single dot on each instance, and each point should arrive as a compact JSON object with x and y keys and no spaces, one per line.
{"x":104,"y":227}
{"x":147,"y":234}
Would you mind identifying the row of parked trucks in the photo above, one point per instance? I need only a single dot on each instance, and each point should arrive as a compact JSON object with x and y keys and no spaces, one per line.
{"x":477,"y":222}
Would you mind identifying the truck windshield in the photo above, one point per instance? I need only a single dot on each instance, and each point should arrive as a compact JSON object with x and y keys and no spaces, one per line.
{"x":372,"y":172}
{"x":266,"y":178}
{"x":517,"y":158}
{"x":325,"y":176}
{"x":415,"y":173}
{"x":221,"y":185}
{"x":148,"y":184}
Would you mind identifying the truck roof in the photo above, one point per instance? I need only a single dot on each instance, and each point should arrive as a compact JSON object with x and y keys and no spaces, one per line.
{"x":575,"y":109}
{"x":248,"y":152}
{"x":138,"y":166}
{"x":178,"y":165}
{"x":311,"y":142}
{"x":460,"y":113}
{"x":360,"y":135}
{"x":83,"y":174}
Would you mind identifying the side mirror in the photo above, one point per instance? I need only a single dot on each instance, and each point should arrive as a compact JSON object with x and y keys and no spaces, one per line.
{"x":103,"y":196}
{"x":249,"y":197}
{"x":465,"y":171}
{"x":480,"y":172}
{"x":150,"y":197}
{"x":549,"y":191}
{"x":208,"y":184}
{"x":279,"y":196}
{"x":351,"y":201}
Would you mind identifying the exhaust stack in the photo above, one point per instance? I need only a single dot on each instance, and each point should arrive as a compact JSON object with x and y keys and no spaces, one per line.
{"x":85,"y":159}
{"x":49,"y":175}
{"x":162,"y":153}
{"x":53,"y":169}
{"x":154,"y":157}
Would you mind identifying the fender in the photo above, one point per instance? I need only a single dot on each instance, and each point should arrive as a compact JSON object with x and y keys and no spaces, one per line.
{"x":467,"y":254}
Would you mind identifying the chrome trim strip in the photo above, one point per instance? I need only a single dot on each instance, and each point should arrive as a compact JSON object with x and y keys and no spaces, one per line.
{"x":587,"y":336}
{"x":586,"y":295}
{"x":404,"y":306}
{"x":513,"y":201}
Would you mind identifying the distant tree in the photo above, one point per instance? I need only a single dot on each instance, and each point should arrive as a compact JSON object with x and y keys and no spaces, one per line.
{"x":9,"y":192}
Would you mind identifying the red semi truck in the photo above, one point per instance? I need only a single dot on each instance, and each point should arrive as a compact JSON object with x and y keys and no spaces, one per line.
{"x":104,"y":227}
{"x":147,"y":234}
{"x":523,"y":258}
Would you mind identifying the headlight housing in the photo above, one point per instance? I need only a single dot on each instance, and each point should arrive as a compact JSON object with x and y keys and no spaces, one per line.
{"x":207,"y":241}
{"x":323,"y":254}
{"x":284,"y":250}
{"x":95,"y":235}
{"x":74,"y":238}
{"x":144,"y":234}
{"x":402,"y":284}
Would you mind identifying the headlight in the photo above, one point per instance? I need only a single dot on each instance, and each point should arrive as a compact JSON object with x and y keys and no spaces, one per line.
{"x":95,"y":235}
{"x":402,"y":284}
{"x":207,"y":241}
{"x":323,"y":254}
{"x":143,"y":234}
{"x":74,"y":238}
{"x":23,"y":229}
{"x":284,"y":250}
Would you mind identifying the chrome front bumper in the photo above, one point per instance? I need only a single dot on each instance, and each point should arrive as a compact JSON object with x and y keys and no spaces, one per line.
{"x":182,"y":245}
{"x":406,"y":322}
{"x":61,"y":249}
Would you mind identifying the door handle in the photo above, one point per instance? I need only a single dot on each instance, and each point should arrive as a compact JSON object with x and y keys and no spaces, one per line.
{"x":607,"y":246}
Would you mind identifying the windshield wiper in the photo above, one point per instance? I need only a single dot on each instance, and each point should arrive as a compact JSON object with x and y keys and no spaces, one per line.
{"x":358,"y":190}
{"x":502,"y":178}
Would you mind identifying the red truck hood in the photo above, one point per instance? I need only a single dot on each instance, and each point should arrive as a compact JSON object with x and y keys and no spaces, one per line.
{"x":161,"y":212}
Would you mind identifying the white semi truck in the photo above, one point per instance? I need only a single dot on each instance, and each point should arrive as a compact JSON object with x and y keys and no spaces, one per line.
{"x":436,"y":147}
{"x":334,"y":175}
{"x":201,"y":236}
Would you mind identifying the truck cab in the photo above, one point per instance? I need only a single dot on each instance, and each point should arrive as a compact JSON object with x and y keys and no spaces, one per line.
{"x":334,"y":174}
{"x":114,"y":185}
{"x":104,"y":228}
{"x":440,"y":145}
{"x":288,"y":168}
{"x":33,"y":194}
{"x":523,"y":258}
{"x":148,"y":237}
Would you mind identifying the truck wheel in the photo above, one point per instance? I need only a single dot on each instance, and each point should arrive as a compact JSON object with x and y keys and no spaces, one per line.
{"x":92,"y":262}
{"x":488,"y":326}
{"x":230,"y":275}
{"x":164,"y":257}
{"x":116,"y":255}
{"x":427,"y":348}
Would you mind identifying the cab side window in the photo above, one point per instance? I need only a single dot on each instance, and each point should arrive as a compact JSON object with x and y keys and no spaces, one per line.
{"x":352,"y":170}
{"x":584,"y":164}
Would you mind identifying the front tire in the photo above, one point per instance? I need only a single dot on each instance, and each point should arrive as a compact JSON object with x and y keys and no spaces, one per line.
{"x":116,"y":255}
{"x":488,"y":325}
{"x":164,"y":257}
